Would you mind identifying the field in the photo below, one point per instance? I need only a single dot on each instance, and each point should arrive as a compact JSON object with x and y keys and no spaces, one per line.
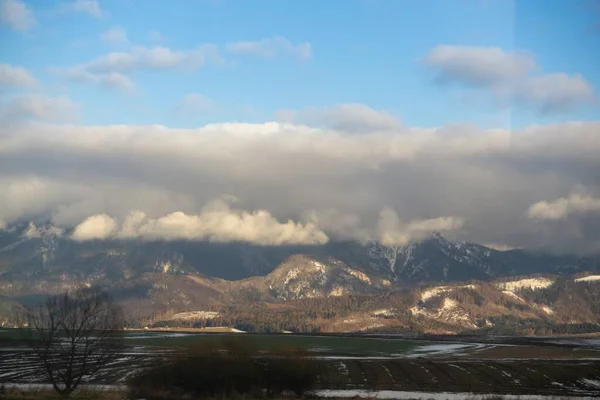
{"x":546,"y":367}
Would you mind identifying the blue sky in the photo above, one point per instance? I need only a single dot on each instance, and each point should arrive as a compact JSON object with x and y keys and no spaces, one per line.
{"x":370,"y":52}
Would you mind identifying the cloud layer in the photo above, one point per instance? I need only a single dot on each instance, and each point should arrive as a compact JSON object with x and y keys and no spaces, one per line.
{"x":299,"y":183}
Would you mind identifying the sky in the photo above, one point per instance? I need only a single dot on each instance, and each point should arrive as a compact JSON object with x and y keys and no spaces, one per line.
{"x":277,"y":122}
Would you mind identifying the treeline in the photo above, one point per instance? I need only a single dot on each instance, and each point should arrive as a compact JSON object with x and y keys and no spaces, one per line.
{"x":301,"y":316}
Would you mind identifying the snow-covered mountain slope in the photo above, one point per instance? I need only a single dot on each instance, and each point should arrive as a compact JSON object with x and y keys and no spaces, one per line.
{"x":307,"y":277}
{"x":42,"y":259}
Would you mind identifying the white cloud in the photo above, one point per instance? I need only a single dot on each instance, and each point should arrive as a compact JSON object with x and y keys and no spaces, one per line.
{"x":354,"y":118}
{"x":113,"y":80}
{"x":563,"y":207}
{"x":115,"y":35}
{"x":89,"y":7}
{"x":15,"y":77}
{"x":141,"y":57}
{"x":557,"y":92}
{"x":337,"y":180}
{"x":111,"y":69}
{"x":479,"y":66}
{"x":393,"y":232}
{"x":217,"y":222}
{"x":271,"y":47}
{"x":39,"y":107}
{"x":510,"y":77}
{"x":16,"y":15}
{"x":96,"y":227}
{"x":194,"y":103}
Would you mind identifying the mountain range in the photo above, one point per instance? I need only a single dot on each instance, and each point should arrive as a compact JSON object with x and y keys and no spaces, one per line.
{"x":172,"y":277}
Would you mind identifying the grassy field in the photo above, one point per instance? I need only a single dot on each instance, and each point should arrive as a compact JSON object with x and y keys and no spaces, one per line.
{"x":326,"y":344}
{"x":363,"y":363}
{"x":321,"y":344}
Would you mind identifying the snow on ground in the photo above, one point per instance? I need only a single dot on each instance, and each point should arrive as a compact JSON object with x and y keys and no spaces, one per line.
{"x":591,"y":383}
{"x":440,"y":349}
{"x":528,"y":283}
{"x":389,"y":312}
{"x":513,"y":296}
{"x":437,"y":290}
{"x":450,"y":311}
{"x":191,"y":315}
{"x":343,"y":368}
{"x":34,"y":387}
{"x":589,"y":278}
{"x":391,"y":394}
{"x":547,"y":309}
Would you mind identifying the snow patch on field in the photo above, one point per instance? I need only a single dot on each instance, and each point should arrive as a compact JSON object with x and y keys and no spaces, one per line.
{"x":591,"y":383}
{"x":440,"y":349}
{"x":589,"y":278}
{"x":398,"y":395}
{"x":528,"y":283}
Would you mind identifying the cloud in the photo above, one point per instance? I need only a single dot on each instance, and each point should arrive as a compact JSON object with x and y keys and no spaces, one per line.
{"x":112,"y":80}
{"x":393,"y":232}
{"x":271,"y":47}
{"x":89,"y":7}
{"x":470,"y":183}
{"x":112,"y":69}
{"x":96,"y":227}
{"x":217,"y":222}
{"x":563,"y":207}
{"x":510,"y":77}
{"x":354,"y":118}
{"x":115,"y":35}
{"x":38,"y":107}
{"x":194,"y":103}
{"x":16,"y":15}
{"x":15,"y":77}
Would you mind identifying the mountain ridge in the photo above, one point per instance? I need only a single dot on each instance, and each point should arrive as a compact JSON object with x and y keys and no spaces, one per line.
{"x":153,"y":278}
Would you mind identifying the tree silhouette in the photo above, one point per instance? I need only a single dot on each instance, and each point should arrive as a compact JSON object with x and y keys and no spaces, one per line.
{"x":74,"y":335}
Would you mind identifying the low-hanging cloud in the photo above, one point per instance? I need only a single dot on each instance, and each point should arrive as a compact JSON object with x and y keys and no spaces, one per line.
{"x":217,"y":222}
{"x":563,"y":207}
{"x":323,"y":180}
{"x":393,"y":232}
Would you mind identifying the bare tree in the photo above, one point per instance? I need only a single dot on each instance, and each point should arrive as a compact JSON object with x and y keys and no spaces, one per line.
{"x":74,"y":335}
